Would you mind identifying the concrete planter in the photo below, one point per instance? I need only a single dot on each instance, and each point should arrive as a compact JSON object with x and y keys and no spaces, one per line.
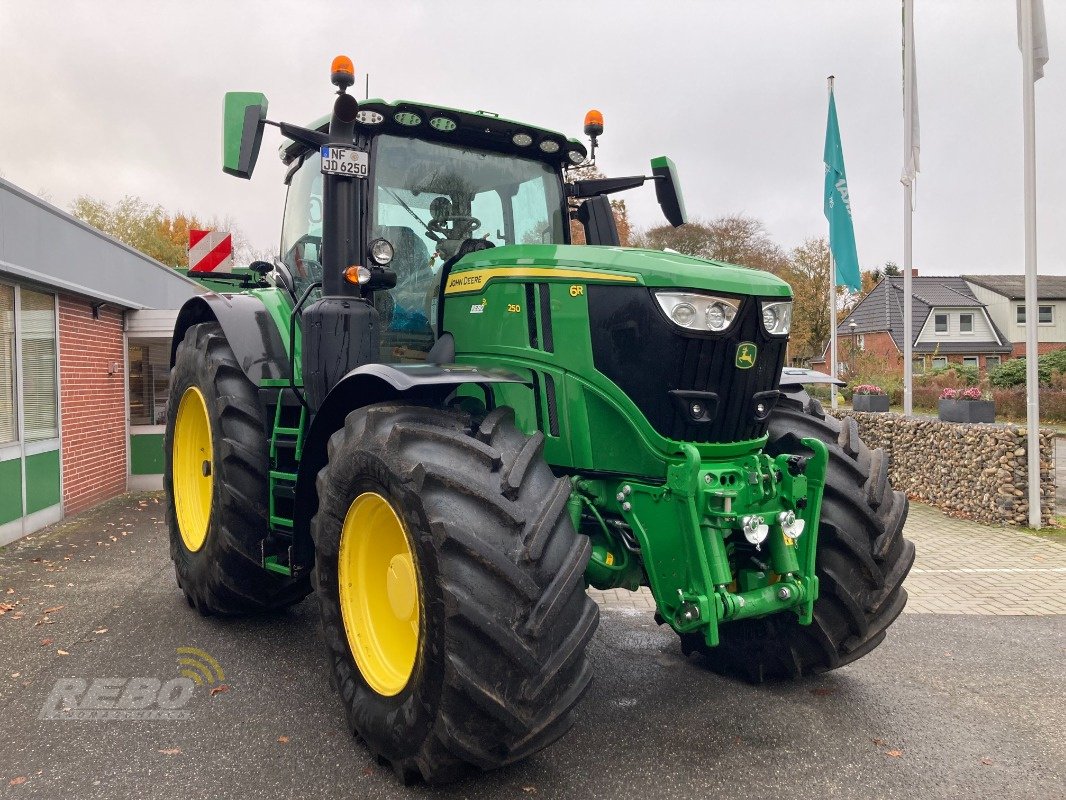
{"x":870,"y":402}
{"x":967,"y":410}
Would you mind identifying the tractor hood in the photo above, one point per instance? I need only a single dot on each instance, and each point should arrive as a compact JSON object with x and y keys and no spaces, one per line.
{"x":623,"y":265}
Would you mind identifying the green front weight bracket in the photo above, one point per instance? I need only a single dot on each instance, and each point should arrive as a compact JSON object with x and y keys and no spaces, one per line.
{"x":685,"y":529}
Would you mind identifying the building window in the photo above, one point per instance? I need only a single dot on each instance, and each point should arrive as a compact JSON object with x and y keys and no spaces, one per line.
{"x":971,"y":361}
{"x":1045,"y":315}
{"x":991,"y":362}
{"x":149,"y":361}
{"x":965,"y":323}
{"x":940,"y":323}
{"x":37,"y":335}
{"x":918,"y":366}
{"x":940,"y":362}
{"x":8,"y":430}
{"x":862,"y":341}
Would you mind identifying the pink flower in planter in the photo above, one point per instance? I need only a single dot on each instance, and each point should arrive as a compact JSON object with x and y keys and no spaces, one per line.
{"x":949,"y":394}
{"x":867,"y":388}
{"x":973,"y":393}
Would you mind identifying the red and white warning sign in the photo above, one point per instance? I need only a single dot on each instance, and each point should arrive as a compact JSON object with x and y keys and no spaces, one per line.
{"x":210,"y":251}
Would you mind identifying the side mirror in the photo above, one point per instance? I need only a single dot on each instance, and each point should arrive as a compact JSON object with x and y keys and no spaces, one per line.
{"x":242,"y":132}
{"x":668,"y":190}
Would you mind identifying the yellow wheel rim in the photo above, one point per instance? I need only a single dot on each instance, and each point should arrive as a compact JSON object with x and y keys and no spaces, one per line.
{"x":192,"y":468}
{"x":378,"y":588}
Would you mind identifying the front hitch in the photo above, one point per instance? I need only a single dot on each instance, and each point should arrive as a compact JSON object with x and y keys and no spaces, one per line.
{"x":721,"y":540}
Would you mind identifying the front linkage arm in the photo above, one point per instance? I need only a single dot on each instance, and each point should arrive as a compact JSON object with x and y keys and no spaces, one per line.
{"x":719,"y":541}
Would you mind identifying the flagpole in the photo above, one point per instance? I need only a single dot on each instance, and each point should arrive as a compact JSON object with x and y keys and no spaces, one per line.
{"x":832,"y":329}
{"x":908,"y":208}
{"x":832,"y":310}
{"x":1032,"y":378}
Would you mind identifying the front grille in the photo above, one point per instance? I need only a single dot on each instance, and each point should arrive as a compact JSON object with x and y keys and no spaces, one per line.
{"x":664,"y":370}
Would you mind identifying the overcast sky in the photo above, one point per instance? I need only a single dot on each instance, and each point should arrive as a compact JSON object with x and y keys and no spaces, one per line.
{"x":114,"y":98}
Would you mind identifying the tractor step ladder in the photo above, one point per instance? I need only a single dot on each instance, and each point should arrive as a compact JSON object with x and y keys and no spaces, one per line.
{"x":286,"y":447}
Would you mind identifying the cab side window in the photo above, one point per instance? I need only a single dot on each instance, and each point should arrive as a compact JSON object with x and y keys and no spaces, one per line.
{"x":301,"y":231}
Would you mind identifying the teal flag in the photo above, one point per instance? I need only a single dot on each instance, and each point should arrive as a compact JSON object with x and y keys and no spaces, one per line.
{"x":838,"y":205}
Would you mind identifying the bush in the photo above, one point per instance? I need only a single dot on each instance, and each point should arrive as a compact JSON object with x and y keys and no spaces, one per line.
{"x":966,"y":374}
{"x":926,"y":397}
{"x":1012,"y":373}
{"x":1008,"y":374}
{"x":953,"y":376}
{"x":1011,"y":403}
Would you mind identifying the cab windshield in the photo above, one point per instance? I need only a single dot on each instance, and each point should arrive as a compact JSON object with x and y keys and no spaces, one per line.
{"x":428,"y":199}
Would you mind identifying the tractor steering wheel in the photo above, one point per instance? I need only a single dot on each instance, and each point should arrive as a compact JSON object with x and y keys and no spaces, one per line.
{"x":455,"y":227}
{"x":452,"y":226}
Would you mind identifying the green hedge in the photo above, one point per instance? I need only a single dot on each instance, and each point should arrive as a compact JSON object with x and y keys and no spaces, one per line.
{"x":1012,"y":373}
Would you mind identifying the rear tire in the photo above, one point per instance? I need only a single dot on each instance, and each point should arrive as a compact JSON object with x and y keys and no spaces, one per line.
{"x":503,"y":617}
{"x":224,"y":574}
{"x":861,"y":563}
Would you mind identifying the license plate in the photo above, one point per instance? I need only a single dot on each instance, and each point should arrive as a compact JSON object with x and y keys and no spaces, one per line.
{"x":345,"y":161}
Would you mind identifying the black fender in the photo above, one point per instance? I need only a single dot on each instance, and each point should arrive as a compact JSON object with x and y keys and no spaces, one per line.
{"x":363,"y":386}
{"x":249,"y":329}
{"x":793,"y":379}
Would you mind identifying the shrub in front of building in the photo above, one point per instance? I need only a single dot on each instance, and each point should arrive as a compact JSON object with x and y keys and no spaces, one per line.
{"x":1012,"y":373}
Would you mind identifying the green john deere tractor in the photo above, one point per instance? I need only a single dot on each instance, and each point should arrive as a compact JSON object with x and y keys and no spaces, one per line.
{"x":449,"y":421}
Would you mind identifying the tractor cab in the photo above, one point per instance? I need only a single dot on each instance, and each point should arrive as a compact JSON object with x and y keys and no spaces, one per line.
{"x":384,"y":198}
{"x":426,"y":202}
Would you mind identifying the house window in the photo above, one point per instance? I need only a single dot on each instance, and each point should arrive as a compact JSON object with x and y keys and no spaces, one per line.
{"x":991,"y":362}
{"x":1045,"y":315}
{"x":971,"y":361}
{"x":862,"y":342}
{"x":149,"y":362}
{"x":940,"y":323}
{"x":8,"y":431}
{"x":940,"y":362}
{"x":37,"y":335}
{"x":965,"y":323}
{"x":918,"y":366}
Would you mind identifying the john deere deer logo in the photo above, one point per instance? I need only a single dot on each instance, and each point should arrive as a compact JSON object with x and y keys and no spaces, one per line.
{"x":746,"y":352}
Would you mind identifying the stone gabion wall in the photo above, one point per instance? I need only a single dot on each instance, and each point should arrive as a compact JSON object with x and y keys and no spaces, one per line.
{"x":978,"y":471}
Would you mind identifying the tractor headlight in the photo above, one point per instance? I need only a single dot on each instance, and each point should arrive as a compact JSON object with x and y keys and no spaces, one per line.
{"x":381,"y":252}
{"x":698,"y":312}
{"x":777,"y":317}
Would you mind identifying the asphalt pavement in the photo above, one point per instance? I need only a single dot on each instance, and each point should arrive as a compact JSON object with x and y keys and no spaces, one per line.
{"x":949,"y":706}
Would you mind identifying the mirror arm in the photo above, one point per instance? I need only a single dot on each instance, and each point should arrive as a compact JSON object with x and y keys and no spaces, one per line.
{"x":600,"y":186}
{"x":302,"y":135}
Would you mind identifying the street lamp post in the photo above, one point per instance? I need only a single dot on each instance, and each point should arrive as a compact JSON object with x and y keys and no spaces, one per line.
{"x":854,"y":345}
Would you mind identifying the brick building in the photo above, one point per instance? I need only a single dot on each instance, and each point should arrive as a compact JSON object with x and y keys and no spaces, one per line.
{"x":84,"y":358}
{"x":1004,"y":297}
{"x":950,"y":324}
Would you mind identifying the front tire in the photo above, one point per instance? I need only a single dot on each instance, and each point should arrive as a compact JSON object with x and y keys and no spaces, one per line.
{"x":502,"y":619}
{"x":861,"y":562}
{"x":216,"y":480}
